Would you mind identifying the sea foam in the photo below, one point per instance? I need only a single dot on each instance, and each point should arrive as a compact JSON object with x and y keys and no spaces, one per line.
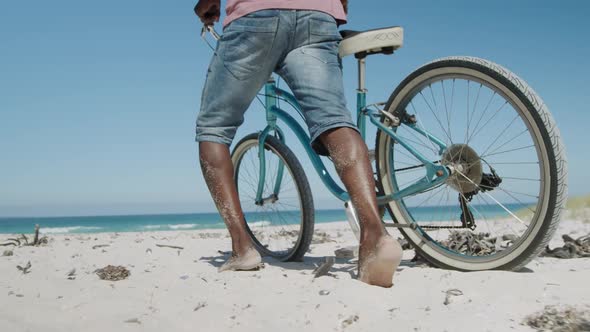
{"x":182,"y":226}
{"x":72,"y":229}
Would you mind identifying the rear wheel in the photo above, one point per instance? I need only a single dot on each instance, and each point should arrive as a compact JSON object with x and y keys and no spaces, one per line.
{"x":504,"y":204}
{"x":281,"y":225}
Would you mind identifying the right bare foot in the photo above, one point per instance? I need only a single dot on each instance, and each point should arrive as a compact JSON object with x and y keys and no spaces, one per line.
{"x":250,"y":260}
{"x":378,"y":264}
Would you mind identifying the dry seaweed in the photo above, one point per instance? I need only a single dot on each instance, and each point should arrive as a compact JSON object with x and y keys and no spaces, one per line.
{"x":321,"y":237}
{"x":347,"y":252}
{"x":210,"y":235}
{"x":571,"y":248}
{"x":473,"y":244}
{"x":113,"y":273}
{"x":282,"y":234}
{"x":556,"y":319}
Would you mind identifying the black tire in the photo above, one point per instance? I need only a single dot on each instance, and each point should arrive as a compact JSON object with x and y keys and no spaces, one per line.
{"x":552,"y":164}
{"x":267,"y":225}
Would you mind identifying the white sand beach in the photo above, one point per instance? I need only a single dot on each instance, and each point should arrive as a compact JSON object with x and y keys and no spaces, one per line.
{"x":181,"y":290}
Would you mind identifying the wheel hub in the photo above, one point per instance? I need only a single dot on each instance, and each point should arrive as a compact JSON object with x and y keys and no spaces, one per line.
{"x":467,"y":162}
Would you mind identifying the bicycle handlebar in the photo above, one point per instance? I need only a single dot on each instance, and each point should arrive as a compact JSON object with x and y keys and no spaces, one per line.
{"x":211,"y":30}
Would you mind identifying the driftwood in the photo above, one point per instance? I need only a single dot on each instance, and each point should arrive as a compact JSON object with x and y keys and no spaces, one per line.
{"x":25,"y":269}
{"x":23,"y":240}
{"x":36,"y":238}
{"x":200,"y":305}
{"x":323,"y":269}
{"x":13,"y":242}
{"x":169,"y":246}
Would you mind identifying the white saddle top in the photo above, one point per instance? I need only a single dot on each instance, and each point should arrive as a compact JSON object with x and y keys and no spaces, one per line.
{"x":371,"y":41}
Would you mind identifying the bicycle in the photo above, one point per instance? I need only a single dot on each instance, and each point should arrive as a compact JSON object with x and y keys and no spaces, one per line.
{"x":433,"y":152}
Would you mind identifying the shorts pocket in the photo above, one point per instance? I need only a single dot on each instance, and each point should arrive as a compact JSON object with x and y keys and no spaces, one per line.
{"x":326,"y":52}
{"x":323,"y":28}
{"x":246,"y":44}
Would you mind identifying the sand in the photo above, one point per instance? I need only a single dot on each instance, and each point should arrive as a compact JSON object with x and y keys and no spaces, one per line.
{"x":180,"y":290}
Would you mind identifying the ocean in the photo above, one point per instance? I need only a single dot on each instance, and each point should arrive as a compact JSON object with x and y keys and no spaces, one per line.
{"x":169,"y":222}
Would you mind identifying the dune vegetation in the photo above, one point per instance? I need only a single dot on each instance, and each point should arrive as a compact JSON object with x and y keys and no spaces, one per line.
{"x":578,"y":207}
{"x":578,"y":203}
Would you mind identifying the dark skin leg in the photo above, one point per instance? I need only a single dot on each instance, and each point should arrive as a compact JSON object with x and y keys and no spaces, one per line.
{"x":379,"y":253}
{"x":218,"y":172}
{"x":351,"y":159}
{"x":350,"y":156}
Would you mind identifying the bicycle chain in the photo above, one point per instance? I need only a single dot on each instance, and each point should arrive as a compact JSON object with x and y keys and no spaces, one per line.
{"x":443,"y":227}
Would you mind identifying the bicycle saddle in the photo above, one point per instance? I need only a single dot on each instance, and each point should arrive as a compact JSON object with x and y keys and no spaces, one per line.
{"x":376,"y":41}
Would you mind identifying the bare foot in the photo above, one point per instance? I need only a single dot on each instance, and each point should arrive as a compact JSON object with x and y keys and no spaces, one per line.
{"x":249,"y":261}
{"x":377,"y":266}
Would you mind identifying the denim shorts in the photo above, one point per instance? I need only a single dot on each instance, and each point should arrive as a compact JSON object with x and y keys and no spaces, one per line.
{"x":300,"y":46}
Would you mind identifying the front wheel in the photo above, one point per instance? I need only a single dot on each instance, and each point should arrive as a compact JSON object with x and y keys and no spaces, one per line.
{"x":281,"y":223}
{"x":503,"y":204}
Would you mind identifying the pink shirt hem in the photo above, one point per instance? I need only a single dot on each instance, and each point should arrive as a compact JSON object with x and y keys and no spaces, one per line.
{"x":238,"y":8}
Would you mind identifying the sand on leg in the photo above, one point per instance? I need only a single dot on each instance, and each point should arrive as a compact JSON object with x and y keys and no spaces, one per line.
{"x":379,"y":253}
{"x":218,"y":171}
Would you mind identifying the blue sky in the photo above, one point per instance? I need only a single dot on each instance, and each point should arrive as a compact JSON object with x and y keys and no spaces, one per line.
{"x":98,"y":99}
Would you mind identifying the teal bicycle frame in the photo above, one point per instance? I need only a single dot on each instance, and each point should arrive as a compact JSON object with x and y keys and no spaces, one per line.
{"x":435,"y":174}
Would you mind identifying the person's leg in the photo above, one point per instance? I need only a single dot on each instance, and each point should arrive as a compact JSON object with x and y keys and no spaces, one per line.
{"x":218,"y":172}
{"x":244,"y":60}
{"x":379,"y":253}
{"x":313,"y":72}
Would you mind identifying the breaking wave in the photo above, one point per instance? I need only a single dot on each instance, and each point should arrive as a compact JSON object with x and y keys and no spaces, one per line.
{"x":72,"y":229}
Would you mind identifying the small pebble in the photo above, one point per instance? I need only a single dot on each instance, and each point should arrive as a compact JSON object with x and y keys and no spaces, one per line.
{"x":349,"y":321}
{"x":133,"y":321}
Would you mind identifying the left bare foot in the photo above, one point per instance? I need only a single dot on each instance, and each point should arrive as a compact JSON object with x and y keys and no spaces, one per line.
{"x":251,"y":260}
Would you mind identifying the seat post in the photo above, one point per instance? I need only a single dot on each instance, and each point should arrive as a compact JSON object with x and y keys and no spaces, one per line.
{"x":361,"y":97}
{"x":362,"y":74}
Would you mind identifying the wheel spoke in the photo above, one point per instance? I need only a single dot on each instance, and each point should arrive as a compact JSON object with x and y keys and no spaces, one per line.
{"x":496,"y":134}
{"x":276,"y":224}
